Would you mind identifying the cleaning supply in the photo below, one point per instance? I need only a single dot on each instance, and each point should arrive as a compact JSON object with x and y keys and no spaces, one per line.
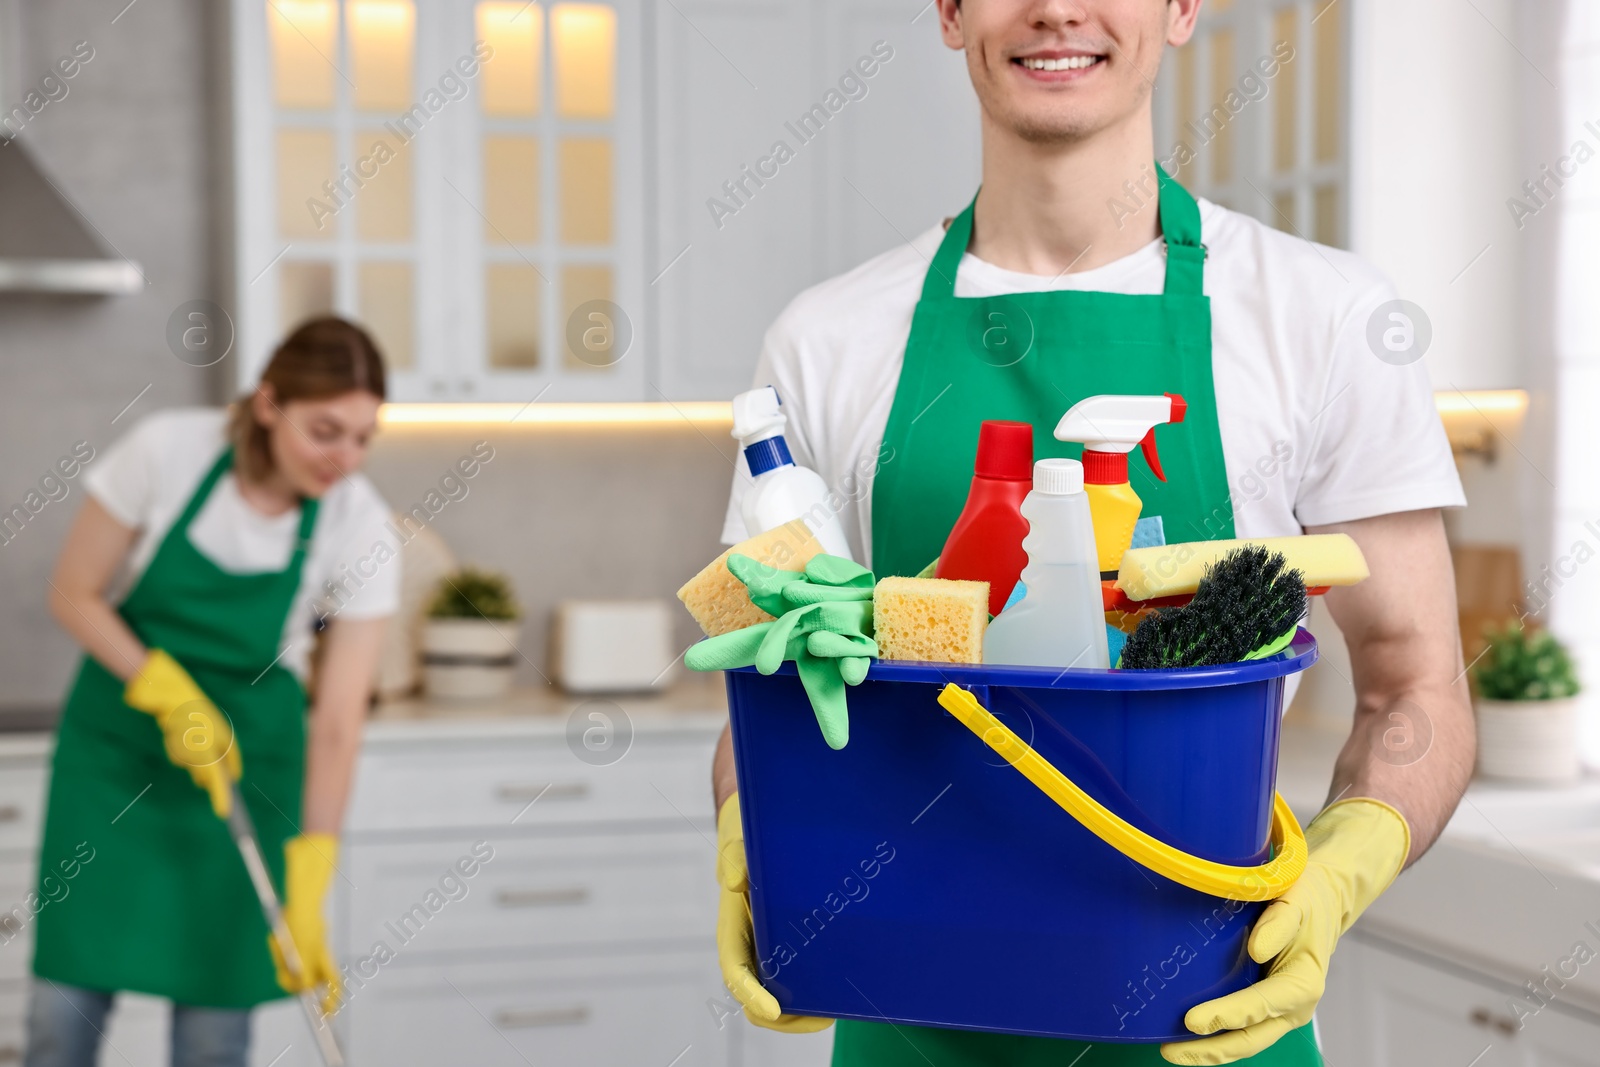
{"x":309,"y":861}
{"x":986,"y":542}
{"x":198,"y":737}
{"x":293,"y":970}
{"x":1059,"y":621}
{"x":1189,"y":758}
{"x":1265,"y":881}
{"x":1357,"y":848}
{"x":736,"y":943}
{"x":1174,"y":570}
{"x":938,"y":620}
{"x":782,"y":490}
{"x":1109,"y":426}
{"x":720,"y":603}
{"x":822,"y":620}
{"x":1246,"y":607}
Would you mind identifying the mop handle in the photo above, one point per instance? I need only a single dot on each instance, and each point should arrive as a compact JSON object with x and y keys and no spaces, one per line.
{"x":244,"y":835}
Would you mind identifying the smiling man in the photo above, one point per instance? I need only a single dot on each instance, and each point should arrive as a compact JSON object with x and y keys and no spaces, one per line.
{"x":1036,"y":296}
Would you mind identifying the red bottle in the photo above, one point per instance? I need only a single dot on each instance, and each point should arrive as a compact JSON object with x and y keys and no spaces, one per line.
{"x":986,"y":543}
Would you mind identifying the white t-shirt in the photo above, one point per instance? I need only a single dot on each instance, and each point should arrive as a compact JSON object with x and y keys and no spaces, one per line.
{"x":1315,"y":428}
{"x":147,"y":477}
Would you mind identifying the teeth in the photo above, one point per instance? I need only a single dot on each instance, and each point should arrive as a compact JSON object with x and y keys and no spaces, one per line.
{"x":1069,"y":63}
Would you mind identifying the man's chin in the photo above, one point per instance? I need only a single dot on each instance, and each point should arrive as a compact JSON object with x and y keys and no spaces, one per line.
{"x":1050,"y":129}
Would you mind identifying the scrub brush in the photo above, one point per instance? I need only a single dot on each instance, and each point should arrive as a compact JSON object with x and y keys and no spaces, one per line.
{"x":1246,"y":607}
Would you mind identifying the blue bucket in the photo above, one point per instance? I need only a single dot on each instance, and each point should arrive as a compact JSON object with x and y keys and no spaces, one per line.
{"x":916,"y":877}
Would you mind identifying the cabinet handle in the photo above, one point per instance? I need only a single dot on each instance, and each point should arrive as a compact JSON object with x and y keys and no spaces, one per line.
{"x":526,"y":1018}
{"x":541,"y":898}
{"x":526,"y":792}
{"x":1503,"y":1023}
{"x":10,"y":813}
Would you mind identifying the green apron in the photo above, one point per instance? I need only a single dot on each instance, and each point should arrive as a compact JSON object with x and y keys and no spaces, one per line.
{"x":164,"y":906}
{"x":1029,"y":357}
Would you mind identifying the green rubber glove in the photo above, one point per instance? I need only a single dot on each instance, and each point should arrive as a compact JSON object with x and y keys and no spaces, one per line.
{"x":823,"y":623}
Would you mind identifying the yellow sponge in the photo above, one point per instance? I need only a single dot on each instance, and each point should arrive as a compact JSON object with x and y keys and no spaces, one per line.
{"x":931,"y":619}
{"x":720,"y":603}
{"x":1172,"y":570}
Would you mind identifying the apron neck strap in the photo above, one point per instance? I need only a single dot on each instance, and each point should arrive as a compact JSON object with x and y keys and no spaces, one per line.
{"x":198,"y":499}
{"x":1180,"y":226}
{"x":223,"y":464}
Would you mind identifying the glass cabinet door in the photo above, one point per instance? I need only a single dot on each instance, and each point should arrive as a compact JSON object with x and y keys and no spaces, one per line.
{"x":461,"y":177}
{"x":345,"y":221}
{"x":550,"y":186}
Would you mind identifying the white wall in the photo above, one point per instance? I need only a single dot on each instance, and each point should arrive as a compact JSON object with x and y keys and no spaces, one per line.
{"x":133,"y":146}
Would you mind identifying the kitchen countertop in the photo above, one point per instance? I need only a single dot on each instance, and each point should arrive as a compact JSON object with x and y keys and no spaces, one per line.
{"x":694,"y":702}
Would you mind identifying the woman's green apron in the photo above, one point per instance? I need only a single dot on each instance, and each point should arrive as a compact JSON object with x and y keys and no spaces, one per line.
{"x":165,"y":907}
{"x":1029,"y":357}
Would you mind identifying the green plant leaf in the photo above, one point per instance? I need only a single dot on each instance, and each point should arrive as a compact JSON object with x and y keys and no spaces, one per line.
{"x":471,"y":593}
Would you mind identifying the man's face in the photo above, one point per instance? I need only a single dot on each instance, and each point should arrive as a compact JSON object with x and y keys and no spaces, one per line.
{"x":1057,"y":71}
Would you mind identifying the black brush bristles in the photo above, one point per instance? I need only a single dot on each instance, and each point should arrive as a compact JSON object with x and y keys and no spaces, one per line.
{"x":1247,"y":599}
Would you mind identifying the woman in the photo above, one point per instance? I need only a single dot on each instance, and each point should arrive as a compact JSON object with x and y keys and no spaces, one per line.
{"x":232,"y":528}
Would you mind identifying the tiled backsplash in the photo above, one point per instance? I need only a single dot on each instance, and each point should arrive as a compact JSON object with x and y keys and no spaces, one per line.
{"x":569,"y":511}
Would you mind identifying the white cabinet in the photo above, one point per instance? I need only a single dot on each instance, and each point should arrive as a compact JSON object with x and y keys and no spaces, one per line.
{"x":503,"y":901}
{"x":532,"y":907}
{"x":462,"y":177}
{"x":1388,"y":1006}
{"x":472,"y":211}
{"x":767,"y":1048}
{"x":603,"y":1009}
{"x":780,"y":161}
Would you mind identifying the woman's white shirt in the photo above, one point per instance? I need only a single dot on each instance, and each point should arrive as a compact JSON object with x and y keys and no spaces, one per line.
{"x":147,"y":477}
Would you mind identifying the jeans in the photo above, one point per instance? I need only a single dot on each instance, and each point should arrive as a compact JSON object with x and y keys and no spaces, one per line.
{"x":66,"y":1025}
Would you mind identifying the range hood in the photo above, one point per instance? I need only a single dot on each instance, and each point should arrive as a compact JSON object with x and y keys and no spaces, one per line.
{"x":45,"y":246}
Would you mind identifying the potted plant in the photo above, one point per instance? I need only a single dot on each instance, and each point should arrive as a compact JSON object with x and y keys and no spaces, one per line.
{"x":1526,"y":707}
{"x":469,"y":639}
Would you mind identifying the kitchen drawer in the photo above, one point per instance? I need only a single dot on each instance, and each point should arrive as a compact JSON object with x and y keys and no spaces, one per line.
{"x":624,"y":1010}
{"x":535,"y":785}
{"x":21,"y":806}
{"x":16,"y":922}
{"x":13,"y":1012}
{"x":535,"y":893}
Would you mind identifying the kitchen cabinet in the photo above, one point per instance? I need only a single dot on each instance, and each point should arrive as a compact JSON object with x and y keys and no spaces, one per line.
{"x":584,"y":932}
{"x":550,"y":228}
{"x":1390,"y":1006}
{"x":762,"y":194}
{"x":462,"y":177}
{"x":768,"y":1048}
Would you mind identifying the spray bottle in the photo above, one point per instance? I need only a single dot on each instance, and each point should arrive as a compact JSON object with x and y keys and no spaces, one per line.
{"x":782,"y":491}
{"x":1109,"y":426}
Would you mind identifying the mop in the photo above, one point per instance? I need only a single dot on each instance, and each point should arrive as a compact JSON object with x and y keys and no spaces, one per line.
{"x":244,"y":836}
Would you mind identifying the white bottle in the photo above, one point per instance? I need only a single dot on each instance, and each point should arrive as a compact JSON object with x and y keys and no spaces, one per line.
{"x":782,"y":491}
{"x":1060,"y":621}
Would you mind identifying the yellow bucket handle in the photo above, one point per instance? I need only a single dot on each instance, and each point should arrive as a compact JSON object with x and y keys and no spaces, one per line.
{"x":1266,"y":882}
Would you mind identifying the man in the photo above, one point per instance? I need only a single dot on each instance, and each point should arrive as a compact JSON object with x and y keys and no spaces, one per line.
{"x":1293,"y":426}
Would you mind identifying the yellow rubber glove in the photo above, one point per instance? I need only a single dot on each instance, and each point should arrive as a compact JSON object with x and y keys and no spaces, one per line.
{"x":308,"y":870}
{"x":1357,"y":848}
{"x":736,"y":942}
{"x":198,"y":737}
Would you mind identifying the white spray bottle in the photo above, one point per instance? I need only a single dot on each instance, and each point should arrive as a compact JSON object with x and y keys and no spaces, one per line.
{"x":1059,"y":622}
{"x":782,"y":491}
